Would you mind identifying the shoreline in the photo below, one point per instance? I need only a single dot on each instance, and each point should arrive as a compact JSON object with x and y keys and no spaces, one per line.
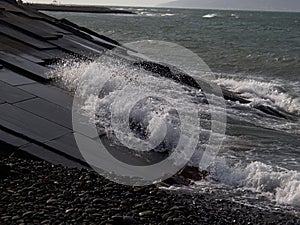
{"x":35,"y":191}
{"x":77,"y":8}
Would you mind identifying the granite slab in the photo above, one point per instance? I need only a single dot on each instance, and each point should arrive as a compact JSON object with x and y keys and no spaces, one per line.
{"x":29,"y":125}
{"x":48,"y":110}
{"x":11,"y":139}
{"x":51,"y":156}
{"x":13,"y":94}
{"x":22,"y":37}
{"x":49,"y":93}
{"x":23,"y":65}
{"x":13,"y":78}
{"x":66,"y":144}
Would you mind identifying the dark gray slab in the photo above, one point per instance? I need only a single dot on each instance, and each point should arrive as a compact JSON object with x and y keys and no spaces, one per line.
{"x":19,"y":48}
{"x":57,"y":53}
{"x":12,"y":94}
{"x":49,"y":93}
{"x":76,"y":47}
{"x":85,"y":43}
{"x":48,"y":110}
{"x":37,"y":28}
{"x":12,"y":8}
{"x":50,"y":156}
{"x":28,"y":124}
{"x":11,"y":139}
{"x":40,"y":72}
{"x":13,"y":78}
{"x":15,"y":34}
{"x":66,"y":144}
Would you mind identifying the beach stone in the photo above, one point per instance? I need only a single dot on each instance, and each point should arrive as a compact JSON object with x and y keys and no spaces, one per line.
{"x":167,"y":215}
{"x":178,"y":208}
{"x":126,"y":220}
{"x":146,"y":213}
{"x":28,"y":214}
{"x":69,"y":211}
{"x":4,"y":171}
{"x":51,"y":201}
{"x":178,"y":220}
{"x":98,"y":201}
{"x":15,"y":217}
{"x":5,"y":218}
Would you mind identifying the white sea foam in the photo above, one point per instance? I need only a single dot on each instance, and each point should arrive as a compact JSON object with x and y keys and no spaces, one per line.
{"x":215,"y":15}
{"x":154,"y":14}
{"x":263,"y":93}
{"x":280,"y":184}
{"x":120,"y":79}
{"x":208,"y":16}
{"x":167,"y":14}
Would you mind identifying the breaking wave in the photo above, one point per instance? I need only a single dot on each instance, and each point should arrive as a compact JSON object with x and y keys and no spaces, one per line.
{"x":263,"y":93}
{"x":279,"y":184}
{"x":216,"y":15}
{"x":152,"y":114}
{"x":208,"y":16}
{"x":150,"y":117}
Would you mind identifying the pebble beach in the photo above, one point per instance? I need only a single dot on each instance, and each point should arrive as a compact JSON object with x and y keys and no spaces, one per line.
{"x":37,"y":192}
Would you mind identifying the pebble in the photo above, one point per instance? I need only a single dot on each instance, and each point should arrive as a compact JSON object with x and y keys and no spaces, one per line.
{"x":145,"y":213}
{"x":27,"y":214}
{"x":15,"y":218}
{"x":51,"y":201}
{"x":69,"y":211}
{"x":31,"y":199}
{"x":98,"y":201}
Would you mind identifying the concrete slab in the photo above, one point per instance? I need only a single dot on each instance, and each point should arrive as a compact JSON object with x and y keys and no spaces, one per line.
{"x":66,"y":144}
{"x":49,"y":93}
{"x":19,"y":48}
{"x":13,"y":78}
{"x":11,"y":139}
{"x":24,"y":65}
{"x":17,"y":35}
{"x":51,"y":156}
{"x":12,"y":94}
{"x":29,"y":125}
{"x":56,"y":54}
{"x":48,"y":110}
{"x":36,"y":28}
{"x":76,"y":47}
{"x":15,"y":9}
{"x":85,"y":43}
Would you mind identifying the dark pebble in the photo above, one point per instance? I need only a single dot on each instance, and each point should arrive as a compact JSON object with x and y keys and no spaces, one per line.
{"x":4,"y":171}
{"x":50,"y":194}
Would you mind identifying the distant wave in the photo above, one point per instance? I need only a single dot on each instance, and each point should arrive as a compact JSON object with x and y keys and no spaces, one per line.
{"x":215,"y":15}
{"x":146,"y":13}
{"x":208,"y":16}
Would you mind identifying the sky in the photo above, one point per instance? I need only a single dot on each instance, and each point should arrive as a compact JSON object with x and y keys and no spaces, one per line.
{"x":281,"y":5}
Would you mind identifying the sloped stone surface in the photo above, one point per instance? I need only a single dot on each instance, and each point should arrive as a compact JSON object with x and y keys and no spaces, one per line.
{"x":29,"y":125}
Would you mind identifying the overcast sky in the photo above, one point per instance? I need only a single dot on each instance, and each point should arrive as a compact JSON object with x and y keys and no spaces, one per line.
{"x":290,"y":5}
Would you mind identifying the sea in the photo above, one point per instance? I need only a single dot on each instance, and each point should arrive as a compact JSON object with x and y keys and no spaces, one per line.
{"x":251,"y":53}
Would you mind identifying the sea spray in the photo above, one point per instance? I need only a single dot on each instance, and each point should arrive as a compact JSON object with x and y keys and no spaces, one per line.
{"x":263,"y":93}
{"x":277,"y":183}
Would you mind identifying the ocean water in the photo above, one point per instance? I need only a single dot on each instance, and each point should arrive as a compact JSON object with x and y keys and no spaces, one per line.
{"x":254,"y":54}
